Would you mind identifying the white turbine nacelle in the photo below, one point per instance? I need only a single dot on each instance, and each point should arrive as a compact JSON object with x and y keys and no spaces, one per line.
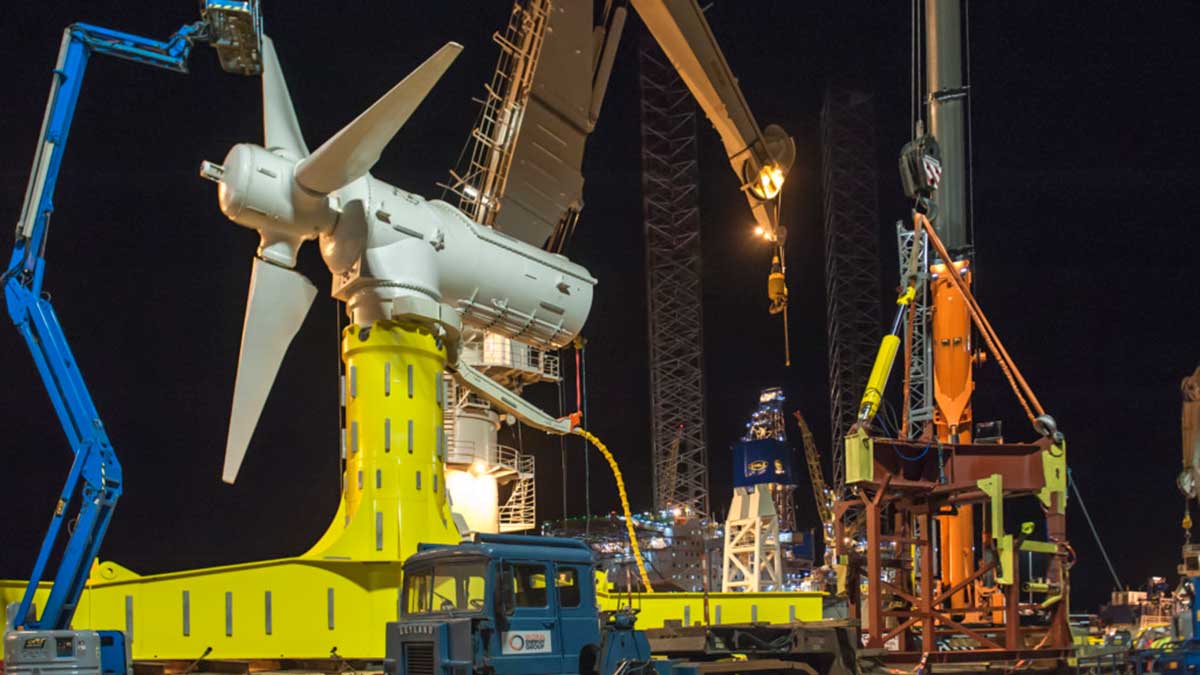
{"x":392,"y":254}
{"x":384,"y":243}
{"x":257,"y":190}
{"x":390,"y":244}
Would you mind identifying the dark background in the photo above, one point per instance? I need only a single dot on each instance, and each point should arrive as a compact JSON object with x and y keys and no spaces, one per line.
{"x":1086,"y":178}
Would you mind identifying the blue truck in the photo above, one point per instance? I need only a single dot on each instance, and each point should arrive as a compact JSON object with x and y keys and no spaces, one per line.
{"x":522,"y":605}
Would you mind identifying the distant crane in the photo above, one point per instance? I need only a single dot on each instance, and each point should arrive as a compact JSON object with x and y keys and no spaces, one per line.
{"x":822,"y":494}
{"x":671,"y":466}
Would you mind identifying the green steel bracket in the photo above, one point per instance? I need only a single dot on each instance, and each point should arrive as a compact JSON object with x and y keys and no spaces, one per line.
{"x":993,"y":487}
{"x":1051,"y":601}
{"x":1054,"y":468}
{"x":1039,"y":547}
{"x":860,"y":458}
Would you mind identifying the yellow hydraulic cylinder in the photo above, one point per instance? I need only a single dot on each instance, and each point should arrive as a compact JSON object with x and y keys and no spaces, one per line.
{"x":879,"y":377}
{"x":394,"y":485}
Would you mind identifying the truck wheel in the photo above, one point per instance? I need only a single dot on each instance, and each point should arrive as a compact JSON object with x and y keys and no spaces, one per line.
{"x":587,"y":660}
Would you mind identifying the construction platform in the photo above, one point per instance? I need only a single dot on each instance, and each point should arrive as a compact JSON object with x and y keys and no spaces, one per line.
{"x":304,"y":608}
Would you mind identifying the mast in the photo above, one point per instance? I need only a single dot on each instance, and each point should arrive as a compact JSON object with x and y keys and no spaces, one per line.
{"x":947,"y":118}
{"x":953,"y":374}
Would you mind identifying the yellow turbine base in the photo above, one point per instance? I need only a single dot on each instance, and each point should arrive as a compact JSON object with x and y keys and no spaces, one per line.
{"x":342,"y":591}
{"x":346,"y":587}
{"x":394,"y":484}
{"x":293,"y":608}
{"x":317,"y":605}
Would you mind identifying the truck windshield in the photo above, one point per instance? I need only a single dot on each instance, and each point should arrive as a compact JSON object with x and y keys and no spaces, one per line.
{"x":445,"y":587}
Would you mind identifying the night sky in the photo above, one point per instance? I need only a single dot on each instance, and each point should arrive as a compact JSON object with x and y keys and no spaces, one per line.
{"x":1086,"y":175}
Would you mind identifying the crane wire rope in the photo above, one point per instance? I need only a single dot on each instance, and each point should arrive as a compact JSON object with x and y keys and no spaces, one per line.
{"x":918,"y":79}
{"x":912,"y":70}
{"x":581,"y":406}
{"x":970,"y":146}
{"x":1024,"y":393}
{"x":1096,"y":535}
{"x":787,"y":343}
{"x":562,"y":447}
{"x":616,"y":470}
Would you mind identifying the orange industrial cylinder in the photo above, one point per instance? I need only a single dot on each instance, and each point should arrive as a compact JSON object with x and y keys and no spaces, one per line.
{"x":958,"y":551}
{"x":953,"y":379}
{"x":953,"y":386}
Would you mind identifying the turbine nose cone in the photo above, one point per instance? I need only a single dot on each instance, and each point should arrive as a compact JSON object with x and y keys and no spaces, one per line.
{"x":235,"y":183}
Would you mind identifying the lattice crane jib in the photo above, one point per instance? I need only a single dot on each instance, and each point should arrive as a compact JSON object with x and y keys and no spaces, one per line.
{"x":849,"y":179}
{"x":672,"y":229}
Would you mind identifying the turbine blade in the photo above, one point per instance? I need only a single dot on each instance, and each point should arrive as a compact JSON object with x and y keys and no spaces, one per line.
{"x":352,"y":152}
{"x":279,"y":299}
{"x":281,"y":129}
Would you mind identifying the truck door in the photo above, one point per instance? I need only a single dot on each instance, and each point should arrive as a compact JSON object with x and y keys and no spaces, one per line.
{"x":530,"y":641}
{"x":578,"y":617}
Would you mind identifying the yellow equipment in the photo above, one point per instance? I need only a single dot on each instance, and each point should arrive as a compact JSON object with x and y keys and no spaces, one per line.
{"x":346,"y":587}
{"x":821,"y":492}
{"x":777,"y":290}
{"x":885,"y":358}
{"x":633,"y":542}
{"x":393,"y":486}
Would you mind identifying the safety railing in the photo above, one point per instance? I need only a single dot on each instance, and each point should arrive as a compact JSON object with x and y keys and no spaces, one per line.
{"x":519,"y":511}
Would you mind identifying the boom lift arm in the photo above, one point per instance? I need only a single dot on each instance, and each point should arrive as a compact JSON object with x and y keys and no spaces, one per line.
{"x":95,"y":479}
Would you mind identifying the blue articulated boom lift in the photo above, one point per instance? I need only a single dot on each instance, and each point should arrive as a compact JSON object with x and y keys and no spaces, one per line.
{"x":94,"y":484}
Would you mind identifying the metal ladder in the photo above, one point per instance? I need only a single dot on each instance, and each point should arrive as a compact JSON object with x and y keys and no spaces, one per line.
{"x":519,"y":512}
{"x":480,"y":179}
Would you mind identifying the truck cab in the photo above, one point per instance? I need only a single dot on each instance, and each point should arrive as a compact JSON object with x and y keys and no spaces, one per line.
{"x":503,"y":604}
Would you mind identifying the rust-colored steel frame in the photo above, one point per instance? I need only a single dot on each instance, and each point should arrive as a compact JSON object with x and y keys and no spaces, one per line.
{"x":915,"y":482}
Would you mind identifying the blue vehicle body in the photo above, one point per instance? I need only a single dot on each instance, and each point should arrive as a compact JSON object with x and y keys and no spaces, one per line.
{"x":511,"y":605}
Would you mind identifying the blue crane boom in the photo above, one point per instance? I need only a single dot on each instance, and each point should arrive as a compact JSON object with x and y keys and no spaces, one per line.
{"x":94,"y":483}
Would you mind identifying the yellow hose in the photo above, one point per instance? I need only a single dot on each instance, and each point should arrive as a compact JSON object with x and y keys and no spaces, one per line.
{"x":633,"y":543}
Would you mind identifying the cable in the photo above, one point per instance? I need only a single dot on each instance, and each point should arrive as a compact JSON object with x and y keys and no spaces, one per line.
{"x":912,"y":72}
{"x":887,"y":418}
{"x":562,"y":446}
{"x":970,"y":146}
{"x":581,"y":354}
{"x":787,"y":344}
{"x":616,"y":470}
{"x":920,"y":77}
{"x":1020,"y":387}
{"x":918,"y":457}
{"x":1112,"y":570}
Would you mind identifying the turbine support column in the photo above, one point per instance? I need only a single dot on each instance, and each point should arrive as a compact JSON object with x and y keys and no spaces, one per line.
{"x":394,"y":446}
